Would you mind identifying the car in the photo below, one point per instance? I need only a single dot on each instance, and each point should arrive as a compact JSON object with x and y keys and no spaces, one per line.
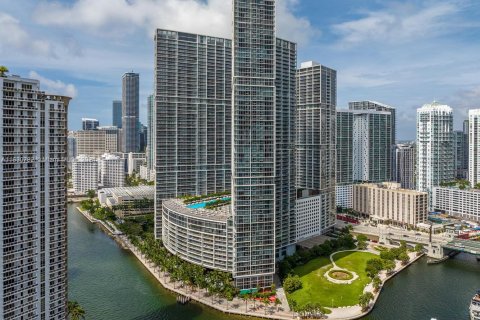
{"x":418,"y":234}
{"x":405,"y":235}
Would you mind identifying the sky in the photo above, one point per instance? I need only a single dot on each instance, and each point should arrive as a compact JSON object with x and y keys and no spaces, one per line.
{"x":401,"y":53}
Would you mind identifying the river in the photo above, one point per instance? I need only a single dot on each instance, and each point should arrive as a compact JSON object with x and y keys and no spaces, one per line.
{"x":111,"y":284}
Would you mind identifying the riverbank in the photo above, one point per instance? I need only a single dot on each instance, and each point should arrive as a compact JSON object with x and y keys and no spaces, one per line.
{"x":237,"y":306}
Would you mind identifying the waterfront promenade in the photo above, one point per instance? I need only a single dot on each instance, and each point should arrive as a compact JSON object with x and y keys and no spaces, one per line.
{"x":239,"y":306}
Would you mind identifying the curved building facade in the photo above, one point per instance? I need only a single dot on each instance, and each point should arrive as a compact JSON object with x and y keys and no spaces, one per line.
{"x":199,"y":236}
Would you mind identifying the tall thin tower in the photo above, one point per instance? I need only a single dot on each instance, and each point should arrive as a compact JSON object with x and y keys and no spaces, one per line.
{"x":130,"y":112}
{"x":435,"y":162}
{"x":33,"y":217}
{"x":474,"y":146}
{"x":263,"y":190}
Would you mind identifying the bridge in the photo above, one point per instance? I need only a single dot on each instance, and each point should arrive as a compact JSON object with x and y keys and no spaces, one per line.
{"x":462,"y":245}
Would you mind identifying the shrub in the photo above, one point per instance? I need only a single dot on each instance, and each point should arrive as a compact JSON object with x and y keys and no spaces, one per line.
{"x":292,"y":283}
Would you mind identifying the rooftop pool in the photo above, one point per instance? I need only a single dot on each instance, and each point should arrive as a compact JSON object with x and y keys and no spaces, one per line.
{"x":202,"y":205}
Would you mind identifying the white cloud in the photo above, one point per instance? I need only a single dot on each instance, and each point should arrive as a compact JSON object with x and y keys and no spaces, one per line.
{"x":14,"y":38}
{"x":398,"y":23}
{"x":54,"y":86}
{"x":122,"y":17}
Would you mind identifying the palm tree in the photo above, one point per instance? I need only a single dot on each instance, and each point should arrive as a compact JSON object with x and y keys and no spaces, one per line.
{"x":245,"y":298}
{"x":75,"y":311}
{"x":364,"y":300}
{"x":3,"y":70}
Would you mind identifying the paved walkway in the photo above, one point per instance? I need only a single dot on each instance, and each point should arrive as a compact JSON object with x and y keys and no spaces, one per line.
{"x":237,"y":306}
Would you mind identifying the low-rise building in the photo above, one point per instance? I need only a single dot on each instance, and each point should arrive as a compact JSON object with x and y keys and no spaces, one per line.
{"x":84,"y":174}
{"x":112,"y":172}
{"x":387,"y":202}
{"x":199,"y":235}
{"x":464,"y":204}
{"x":128,"y":201}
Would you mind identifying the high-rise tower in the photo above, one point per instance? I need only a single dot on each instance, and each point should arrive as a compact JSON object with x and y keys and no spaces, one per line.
{"x":33,"y":219}
{"x":315,"y":149}
{"x":192,"y":116}
{"x":130,"y":112}
{"x":435,"y":162}
{"x":263,"y":190}
{"x":117,"y":113}
{"x":474,"y":146}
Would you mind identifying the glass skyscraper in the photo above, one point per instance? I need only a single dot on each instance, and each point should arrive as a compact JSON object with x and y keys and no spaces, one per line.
{"x":263,"y":189}
{"x":192,"y":115}
{"x":315,"y":149}
{"x":117,"y":113}
{"x":130,"y":112}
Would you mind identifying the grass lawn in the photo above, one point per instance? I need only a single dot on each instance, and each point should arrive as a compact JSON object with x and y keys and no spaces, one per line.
{"x":316,"y":288}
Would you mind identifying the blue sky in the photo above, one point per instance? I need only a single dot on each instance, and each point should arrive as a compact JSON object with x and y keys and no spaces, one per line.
{"x":402,"y":53}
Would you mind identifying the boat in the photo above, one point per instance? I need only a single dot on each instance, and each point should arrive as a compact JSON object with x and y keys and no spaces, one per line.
{"x":475,"y":307}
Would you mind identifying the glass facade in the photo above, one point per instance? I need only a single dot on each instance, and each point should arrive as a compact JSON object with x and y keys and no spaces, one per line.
{"x":192,"y":115}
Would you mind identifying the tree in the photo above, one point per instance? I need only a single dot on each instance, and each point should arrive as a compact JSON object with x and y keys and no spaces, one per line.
{"x":75,"y":311}
{"x":364,"y":300}
{"x":376,"y":283}
{"x":91,"y":194}
{"x":3,"y":71}
{"x":245,"y":298}
{"x":292,"y":283}
{"x":404,"y":258}
{"x":374,"y":266}
{"x":266,"y":302}
{"x":389,"y":265}
{"x":277,"y":303}
{"x":418,"y":249}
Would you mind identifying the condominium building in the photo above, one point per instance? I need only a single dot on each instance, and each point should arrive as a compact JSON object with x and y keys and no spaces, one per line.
{"x":33,"y":219}
{"x":263,"y":192}
{"x":94,"y":143}
{"x":435,"y":161}
{"x":117,"y":113}
{"x":315,"y":149}
{"x":474,"y":146}
{"x":364,"y":146}
{"x":404,"y":158}
{"x":464,"y":204}
{"x":197,"y":235}
{"x":387,"y":202}
{"x":130,"y":112}
{"x":150,"y":150}
{"x":344,"y":195}
{"x":460,"y":153}
{"x":89,"y":124}
{"x":71,"y":148}
{"x":135,"y":160}
{"x":374,"y":105}
{"x":192,"y":115}
{"x":84,"y":174}
{"x":112,"y":171}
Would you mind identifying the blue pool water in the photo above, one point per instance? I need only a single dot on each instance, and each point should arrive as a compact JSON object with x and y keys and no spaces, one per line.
{"x":203,"y":204}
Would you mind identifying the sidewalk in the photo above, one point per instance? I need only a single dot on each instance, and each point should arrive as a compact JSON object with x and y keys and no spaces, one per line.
{"x":237,"y":306}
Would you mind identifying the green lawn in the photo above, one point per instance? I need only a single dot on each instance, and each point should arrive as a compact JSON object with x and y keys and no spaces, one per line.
{"x":316,"y":288}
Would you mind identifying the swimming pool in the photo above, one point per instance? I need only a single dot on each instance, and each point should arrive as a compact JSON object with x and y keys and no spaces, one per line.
{"x":201,"y":205}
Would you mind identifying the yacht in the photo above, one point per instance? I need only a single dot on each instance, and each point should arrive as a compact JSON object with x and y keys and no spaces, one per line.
{"x":475,"y":307}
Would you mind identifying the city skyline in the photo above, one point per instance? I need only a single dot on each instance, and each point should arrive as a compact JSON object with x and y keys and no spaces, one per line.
{"x":400,"y":74}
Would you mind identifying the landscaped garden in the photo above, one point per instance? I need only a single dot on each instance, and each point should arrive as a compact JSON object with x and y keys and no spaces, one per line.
{"x":316,"y":288}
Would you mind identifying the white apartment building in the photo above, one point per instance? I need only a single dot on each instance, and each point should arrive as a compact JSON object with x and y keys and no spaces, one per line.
{"x":33,"y":218}
{"x":464,"y":204}
{"x":112,"y":171}
{"x":84,"y":174}
{"x":474,"y":146}
{"x":435,"y":161}
{"x":388,"y":202}
{"x":135,"y":160}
